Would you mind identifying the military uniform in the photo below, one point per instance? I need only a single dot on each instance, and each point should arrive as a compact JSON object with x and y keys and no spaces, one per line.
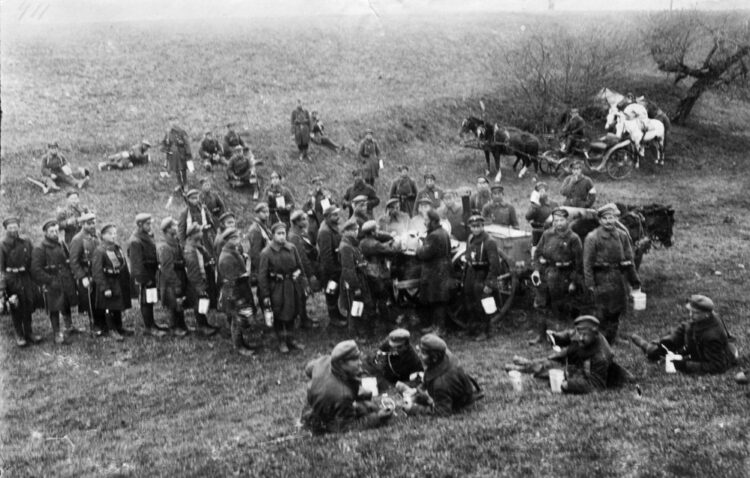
{"x":258,"y":236}
{"x":67,"y":218}
{"x":361,"y":189}
{"x":173,"y":281}
{"x":50,"y":269}
{"x":478,"y":199}
{"x":329,"y":239}
{"x":82,"y":248}
{"x":377,"y":253}
{"x":369,"y":155}
{"x":503,"y":214}
{"x":588,"y":367}
{"x":578,"y":192}
{"x":301,"y":126}
{"x":482,"y":270}
{"x":56,"y":164}
{"x":15,"y":280}
{"x":145,"y":263}
{"x":110,"y":272}
{"x":559,"y":260}
{"x":537,"y":216}
{"x":435,"y":278}
{"x":391,"y":365}
{"x":607,"y":262}
{"x":176,"y":145}
{"x":231,"y":141}
{"x":314,"y":209}
{"x":210,"y":152}
{"x":276,"y":196}
{"x":308,"y":253}
{"x":213,"y":203}
{"x":239,"y":169}
{"x":434,"y":194}
{"x":136,"y":155}
{"x":353,"y":286}
{"x":200,"y":215}
{"x":397,"y":223}
{"x":573,"y":130}
{"x":236,"y":293}
{"x":406,"y":191}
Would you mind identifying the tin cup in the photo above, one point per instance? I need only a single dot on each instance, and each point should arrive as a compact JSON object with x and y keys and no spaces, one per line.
{"x":151,"y":295}
{"x":516,"y":379}
{"x":370,"y":384}
{"x":331,"y":287}
{"x":357,"y":308}
{"x":556,"y":377}
{"x":203,"y":304}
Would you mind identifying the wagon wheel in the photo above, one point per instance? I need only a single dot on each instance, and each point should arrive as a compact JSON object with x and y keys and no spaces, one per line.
{"x":507,"y":283}
{"x":593,"y":161}
{"x":549,"y":161}
{"x":620,"y":164}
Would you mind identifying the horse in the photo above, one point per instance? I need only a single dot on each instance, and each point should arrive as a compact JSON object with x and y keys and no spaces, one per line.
{"x":611,"y":97}
{"x":501,"y":141}
{"x":525,"y":146}
{"x":640,"y":131}
{"x":483,"y":132}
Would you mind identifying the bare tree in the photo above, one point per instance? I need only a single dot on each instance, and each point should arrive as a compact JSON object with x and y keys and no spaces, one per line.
{"x":708,"y":51}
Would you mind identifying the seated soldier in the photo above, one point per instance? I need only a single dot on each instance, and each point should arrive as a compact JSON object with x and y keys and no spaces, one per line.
{"x":702,"y":342}
{"x":573,"y":131}
{"x":135,"y":156}
{"x":210,"y":152}
{"x":56,"y":171}
{"x":446,"y":388}
{"x":231,"y":141}
{"x":241,"y":170}
{"x":334,"y":402}
{"x":318,"y":135}
{"x":395,"y":360}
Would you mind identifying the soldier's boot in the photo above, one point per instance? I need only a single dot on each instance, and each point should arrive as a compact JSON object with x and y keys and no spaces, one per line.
{"x":59,"y":335}
{"x":203,"y":327}
{"x":69,"y":327}
{"x":640,"y":342}
{"x":150,"y":326}
{"x":28,"y":333}
{"x":104,"y":166}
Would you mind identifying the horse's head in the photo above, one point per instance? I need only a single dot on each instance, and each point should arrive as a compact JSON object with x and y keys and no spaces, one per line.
{"x":470,"y":125}
{"x":659,"y":223}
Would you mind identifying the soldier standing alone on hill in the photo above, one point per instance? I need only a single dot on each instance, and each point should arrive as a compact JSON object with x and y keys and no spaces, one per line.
{"x":301,"y":127}
{"x":369,"y":155}
{"x":176,"y":147}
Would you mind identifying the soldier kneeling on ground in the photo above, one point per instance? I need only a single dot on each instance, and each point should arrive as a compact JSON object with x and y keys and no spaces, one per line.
{"x":395,"y":360}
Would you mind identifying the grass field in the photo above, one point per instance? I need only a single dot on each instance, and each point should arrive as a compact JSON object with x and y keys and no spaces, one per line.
{"x":191,"y":407}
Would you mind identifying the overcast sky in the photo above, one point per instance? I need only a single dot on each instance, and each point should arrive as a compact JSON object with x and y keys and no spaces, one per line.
{"x":36,"y":11}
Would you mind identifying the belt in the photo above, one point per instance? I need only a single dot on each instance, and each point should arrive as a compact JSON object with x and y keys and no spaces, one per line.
{"x":111,"y":271}
{"x":480,"y":265}
{"x":280,"y":277}
{"x":15,"y":270}
{"x":564,"y":265}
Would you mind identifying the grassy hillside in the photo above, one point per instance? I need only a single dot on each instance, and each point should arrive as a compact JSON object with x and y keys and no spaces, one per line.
{"x":192,"y":408}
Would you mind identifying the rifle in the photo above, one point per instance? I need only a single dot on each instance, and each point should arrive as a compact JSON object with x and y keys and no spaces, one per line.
{"x":91,"y":309}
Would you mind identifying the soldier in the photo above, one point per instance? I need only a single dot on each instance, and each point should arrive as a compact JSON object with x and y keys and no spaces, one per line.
{"x":480,"y":277}
{"x":431,"y":191}
{"x":176,"y":147}
{"x":360,"y":188}
{"x":360,"y":215}
{"x":452,"y":215}
{"x":280,"y":200}
{"x":446,"y":387}
{"x":240,"y":170}
{"x":353,"y":284}
{"x":329,"y":239}
{"x":16,"y":284}
{"x":318,"y":135}
{"x":558,"y":262}
{"x":308,"y":253}
{"x":393,"y":222}
{"x":369,"y":155}
{"x":434,"y":282}
{"x":68,"y":217}
{"x":282,"y":286}
{"x":701,"y":342}
{"x":112,"y":278}
{"x":172,"y":277}
{"x":579,"y":190}
{"x":377,"y":252}
{"x":334,"y":403}
{"x":210,"y":152}
{"x":607,"y":265}
{"x":236,"y":294}
{"x":539,"y":211}
{"x":82,"y":248}
{"x":137,"y":155}
{"x":573,"y":131}
{"x":199,"y":266}
{"x":226,"y":221}
{"x":145,"y":263}
{"x":405,"y":190}
{"x":498,"y":211}
{"x":395,"y":360}
{"x":301,"y":127}
{"x":319,"y":200}
{"x":231,"y":141}
{"x":481,"y":196}
{"x":50,"y":269}
{"x":258,"y":237}
{"x":196,"y":212}
{"x":57,"y":171}
{"x":211,"y":200}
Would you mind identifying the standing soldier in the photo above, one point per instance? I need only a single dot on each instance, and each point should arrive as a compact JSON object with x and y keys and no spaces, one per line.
{"x":607,"y":265}
{"x":369,"y":155}
{"x":196,"y":212}
{"x":308,"y":253}
{"x":538,"y":212}
{"x":353,"y":283}
{"x":112,"y":278}
{"x":50,"y":269}
{"x":16,"y":284}
{"x":258,"y":236}
{"x":319,"y":200}
{"x":210,"y":152}
{"x":231,"y":141}
{"x":137,"y":155}
{"x":226,"y":221}
{"x":176,"y":147}
{"x":329,"y":239}
{"x":68,"y":217}
{"x":481,"y":196}
{"x":431,"y":192}
{"x":56,"y":170}
{"x":145,"y":264}
{"x":172,"y":276}
{"x":282,"y":286}
{"x":211,"y":200}
{"x":405,"y":190}
{"x":558,"y":262}
{"x":301,"y":127}
{"x":579,"y":190}
{"x":498,"y":211}
{"x":378,"y":253}
{"x":82,"y":248}
{"x":434,"y":281}
{"x":360,"y":188}
{"x":200,"y":274}
{"x":480,"y":277}
{"x":236,"y":293}
{"x":280,"y":200}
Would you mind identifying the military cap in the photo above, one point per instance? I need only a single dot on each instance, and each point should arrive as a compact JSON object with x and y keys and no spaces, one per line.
{"x":392,"y":202}
{"x":344,"y":351}
{"x":399,"y":336}
{"x":193,"y":229}
{"x":700,"y":302}
{"x":53,"y":145}
{"x":49,"y":223}
{"x":350,"y":225}
{"x":573,"y":110}
{"x":360,"y":198}
{"x":609,"y":208}
{"x":86,"y":217}
{"x":229,"y":233}
{"x":239,"y":147}
{"x":107,"y":227}
{"x":260,"y":206}
{"x":10,"y":220}
{"x":560,"y":211}
{"x":497,"y":187}
{"x":72,"y":193}
{"x":432,"y":343}
{"x":297,"y":215}
{"x":316,"y":179}
{"x":403,"y":167}
{"x":166,"y":223}
{"x":476,"y":218}
{"x":540,"y":185}
{"x":586,"y":322}
{"x":277,"y":226}
{"x":142,"y":217}
{"x":429,"y":176}
{"x":192,"y":192}
{"x":330,"y":210}
{"x":369,"y":226}
{"x":226,"y":216}
{"x":578,"y":163}
{"x":424,"y":200}
{"x":146,"y":143}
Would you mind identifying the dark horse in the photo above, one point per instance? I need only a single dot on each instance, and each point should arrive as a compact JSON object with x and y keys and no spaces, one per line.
{"x":502,"y":141}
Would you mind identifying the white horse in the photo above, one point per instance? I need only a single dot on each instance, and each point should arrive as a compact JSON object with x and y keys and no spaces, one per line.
{"x":640,"y":131}
{"x":633,"y":111}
